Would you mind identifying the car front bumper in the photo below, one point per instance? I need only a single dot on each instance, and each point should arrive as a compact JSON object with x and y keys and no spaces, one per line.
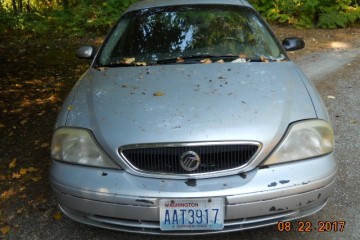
{"x":117,"y":200}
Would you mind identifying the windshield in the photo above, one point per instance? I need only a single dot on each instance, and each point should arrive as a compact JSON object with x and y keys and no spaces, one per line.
{"x":157,"y":35}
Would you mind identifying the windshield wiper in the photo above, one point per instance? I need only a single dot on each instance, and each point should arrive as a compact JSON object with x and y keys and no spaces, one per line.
{"x":212,"y":57}
{"x":196,"y":58}
{"x":123,"y":64}
{"x":120,"y":65}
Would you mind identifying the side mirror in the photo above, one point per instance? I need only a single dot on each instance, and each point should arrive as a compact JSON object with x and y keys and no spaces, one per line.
{"x":293,"y":43}
{"x":86,"y":52}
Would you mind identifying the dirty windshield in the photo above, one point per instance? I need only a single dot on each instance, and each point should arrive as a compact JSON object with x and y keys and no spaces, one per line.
{"x":191,"y":34}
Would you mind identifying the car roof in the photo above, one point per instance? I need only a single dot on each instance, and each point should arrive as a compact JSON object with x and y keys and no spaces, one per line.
{"x":161,"y":3}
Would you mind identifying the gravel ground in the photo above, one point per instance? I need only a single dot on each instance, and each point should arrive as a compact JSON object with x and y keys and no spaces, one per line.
{"x":340,"y":89}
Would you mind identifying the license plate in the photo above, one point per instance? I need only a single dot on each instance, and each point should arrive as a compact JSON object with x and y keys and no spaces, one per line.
{"x":192,"y":214}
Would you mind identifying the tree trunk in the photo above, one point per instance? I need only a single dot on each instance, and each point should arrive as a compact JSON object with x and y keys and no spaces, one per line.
{"x":20,"y":8}
{"x":14,"y":6}
{"x":28,"y":8}
{"x":66,"y":4}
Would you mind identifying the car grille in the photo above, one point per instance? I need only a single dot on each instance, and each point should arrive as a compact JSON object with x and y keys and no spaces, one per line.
{"x":167,"y":159}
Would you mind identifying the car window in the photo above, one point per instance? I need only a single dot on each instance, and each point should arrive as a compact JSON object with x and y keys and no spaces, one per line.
{"x":152,"y":35}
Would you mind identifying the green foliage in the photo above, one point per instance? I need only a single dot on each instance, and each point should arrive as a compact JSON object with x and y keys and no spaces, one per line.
{"x":83,"y":17}
{"x":340,"y":15}
{"x":5,"y":20}
{"x":310,"y":13}
{"x":75,"y":18}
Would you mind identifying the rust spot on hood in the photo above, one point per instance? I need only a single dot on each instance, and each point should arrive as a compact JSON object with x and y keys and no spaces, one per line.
{"x":273,"y":184}
{"x":284,"y":181}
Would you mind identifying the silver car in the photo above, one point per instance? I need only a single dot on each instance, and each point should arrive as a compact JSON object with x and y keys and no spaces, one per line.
{"x":192,"y":120}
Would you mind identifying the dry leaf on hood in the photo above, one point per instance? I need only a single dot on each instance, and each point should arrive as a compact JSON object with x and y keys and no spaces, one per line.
{"x":128,"y":60}
{"x":159,"y":94}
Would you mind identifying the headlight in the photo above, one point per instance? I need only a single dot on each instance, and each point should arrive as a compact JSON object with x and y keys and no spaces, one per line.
{"x":79,"y":147}
{"x":306,"y":139}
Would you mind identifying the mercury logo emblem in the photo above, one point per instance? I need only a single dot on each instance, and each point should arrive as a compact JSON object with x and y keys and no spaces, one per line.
{"x":189,"y":161}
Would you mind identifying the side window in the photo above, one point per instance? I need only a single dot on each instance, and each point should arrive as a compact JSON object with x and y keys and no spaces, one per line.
{"x":265,"y":43}
{"x":107,"y":52}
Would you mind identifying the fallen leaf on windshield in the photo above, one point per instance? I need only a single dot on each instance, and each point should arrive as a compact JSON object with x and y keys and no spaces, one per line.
{"x":102,"y":68}
{"x":140,"y":64}
{"x":206,"y":61}
{"x":70,"y":108}
{"x":264,"y":59}
{"x":13,"y":163}
{"x":239,"y":60}
{"x":128,"y":60}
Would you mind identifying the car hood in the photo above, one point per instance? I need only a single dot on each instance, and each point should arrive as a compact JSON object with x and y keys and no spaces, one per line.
{"x":190,"y":103}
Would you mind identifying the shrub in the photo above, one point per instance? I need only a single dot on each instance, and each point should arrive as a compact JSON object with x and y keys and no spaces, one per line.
{"x":310,"y":13}
{"x":84,"y":17}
